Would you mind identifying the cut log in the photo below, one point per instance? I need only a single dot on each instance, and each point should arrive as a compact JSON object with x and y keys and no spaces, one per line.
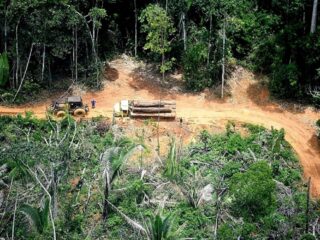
{"x":156,"y":106}
{"x":155,"y":103}
{"x":151,"y":110}
{"x":152,"y":115}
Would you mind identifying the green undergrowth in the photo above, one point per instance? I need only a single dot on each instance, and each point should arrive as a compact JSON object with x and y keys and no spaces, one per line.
{"x":245,"y":184}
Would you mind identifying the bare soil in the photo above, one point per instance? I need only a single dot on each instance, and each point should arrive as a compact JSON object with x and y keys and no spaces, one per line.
{"x":249,"y":102}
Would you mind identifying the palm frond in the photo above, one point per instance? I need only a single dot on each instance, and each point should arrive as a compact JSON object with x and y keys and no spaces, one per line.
{"x":116,"y":156}
{"x":44,"y":213}
{"x":18,"y":170}
{"x":38,"y":217}
{"x":172,"y":165}
{"x":160,"y":228}
{"x":33,"y":216}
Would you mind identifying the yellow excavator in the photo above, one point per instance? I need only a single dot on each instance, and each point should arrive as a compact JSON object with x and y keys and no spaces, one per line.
{"x":72,"y":105}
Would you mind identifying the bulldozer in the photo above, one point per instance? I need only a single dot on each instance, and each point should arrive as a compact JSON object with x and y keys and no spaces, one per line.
{"x":72,"y":105}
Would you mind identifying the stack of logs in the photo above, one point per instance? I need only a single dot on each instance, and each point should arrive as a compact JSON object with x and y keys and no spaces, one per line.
{"x":153,"y":109}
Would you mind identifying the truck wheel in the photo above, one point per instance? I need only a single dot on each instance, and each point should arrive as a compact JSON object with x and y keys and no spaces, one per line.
{"x":79,"y":112}
{"x":61,"y":114}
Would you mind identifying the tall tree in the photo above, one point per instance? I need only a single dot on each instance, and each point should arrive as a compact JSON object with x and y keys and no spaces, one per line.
{"x":223,"y":57}
{"x":135,"y":28}
{"x":186,"y":7}
{"x":314,"y":16}
{"x":158,"y":26}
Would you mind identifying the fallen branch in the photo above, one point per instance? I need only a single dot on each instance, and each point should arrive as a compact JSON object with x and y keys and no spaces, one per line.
{"x":50,"y":200}
{"x":131,"y":222}
{"x":14,"y":218}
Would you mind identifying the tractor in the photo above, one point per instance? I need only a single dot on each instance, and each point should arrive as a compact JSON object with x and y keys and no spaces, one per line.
{"x":72,"y":105}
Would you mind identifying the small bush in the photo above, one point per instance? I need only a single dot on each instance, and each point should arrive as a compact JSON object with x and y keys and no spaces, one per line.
{"x":284,"y":82}
{"x":253,"y":191}
{"x":318,"y":128}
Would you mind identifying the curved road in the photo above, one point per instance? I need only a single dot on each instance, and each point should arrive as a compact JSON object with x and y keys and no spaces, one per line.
{"x":249,"y":104}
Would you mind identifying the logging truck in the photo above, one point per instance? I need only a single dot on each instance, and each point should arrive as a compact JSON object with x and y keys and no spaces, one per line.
{"x":145,"y":109}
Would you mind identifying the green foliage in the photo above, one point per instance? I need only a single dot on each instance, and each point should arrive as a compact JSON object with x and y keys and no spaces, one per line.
{"x":38,"y":217}
{"x":118,"y":154}
{"x":18,"y":170}
{"x":97,"y":14}
{"x":160,"y":227}
{"x":253,"y":192}
{"x":308,"y":236}
{"x":4,"y":69}
{"x":172,"y":165}
{"x":158,"y":26}
{"x":256,"y":199}
{"x":226,"y":232}
{"x":285,"y":77}
{"x":271,"y":37}
{"x":318,"y":128}
{"x":196,"y":73}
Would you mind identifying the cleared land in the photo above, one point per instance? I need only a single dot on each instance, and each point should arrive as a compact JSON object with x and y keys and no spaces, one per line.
{"x":248,"y":103}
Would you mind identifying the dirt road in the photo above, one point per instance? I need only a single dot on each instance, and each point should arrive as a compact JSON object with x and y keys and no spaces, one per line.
{"x":249,"y":102}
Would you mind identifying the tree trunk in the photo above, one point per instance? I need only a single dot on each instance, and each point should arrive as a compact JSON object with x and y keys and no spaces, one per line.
{"x":54,"y":193}
{"x":184,"y":32}
{"x":76,"y":57}
{"x":209,"y":39}
{"x":97,"y":42}
{"x":50,"y":203}
{"x":73,"y":54}
{"x":43,"y":62}
{"x":223,"y":57}
{"x":105,"y":204}
{"x":5,"y":30}
{"x":304,"y":19}
{"x":13,"y":74}
{"x":95,"y":52}
{"x":14,"y":217}
{"x":162,"y":63}
{"x":87,"y":62}
{"x":93,"y":33}
{"x":25,"y":73}
{"x":135,"y":28}
{"x":307,"y":208}
{"x":314,"y":16}
{"x":93,"y":41}
{"x":17,"y":53}
{"x":50,"y":75}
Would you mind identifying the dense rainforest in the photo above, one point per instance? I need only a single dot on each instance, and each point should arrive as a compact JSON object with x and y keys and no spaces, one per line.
{"x":43,"y":42}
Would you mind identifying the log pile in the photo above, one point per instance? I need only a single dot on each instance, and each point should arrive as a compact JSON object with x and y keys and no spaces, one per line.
{"x":153,"y":109}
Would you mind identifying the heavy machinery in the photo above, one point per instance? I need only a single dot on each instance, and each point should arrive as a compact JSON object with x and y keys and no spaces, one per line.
{"x":72,"y":105}
{"x":145,"y":109}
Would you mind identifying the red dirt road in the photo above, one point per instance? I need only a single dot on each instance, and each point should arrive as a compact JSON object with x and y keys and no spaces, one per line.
{"x":249,"y":103}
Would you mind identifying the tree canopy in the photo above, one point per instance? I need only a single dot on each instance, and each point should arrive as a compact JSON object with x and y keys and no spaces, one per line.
{"x":74,"y":38}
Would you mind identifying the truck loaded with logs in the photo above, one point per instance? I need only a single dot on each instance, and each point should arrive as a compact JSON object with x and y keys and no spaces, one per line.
{"x":145,"y":109}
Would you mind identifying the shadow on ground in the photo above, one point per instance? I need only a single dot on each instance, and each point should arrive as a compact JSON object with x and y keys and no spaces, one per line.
{"x":111,"y":74}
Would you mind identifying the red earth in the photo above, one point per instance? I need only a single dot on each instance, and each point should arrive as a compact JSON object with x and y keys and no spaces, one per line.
{"x":248,"y":102}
